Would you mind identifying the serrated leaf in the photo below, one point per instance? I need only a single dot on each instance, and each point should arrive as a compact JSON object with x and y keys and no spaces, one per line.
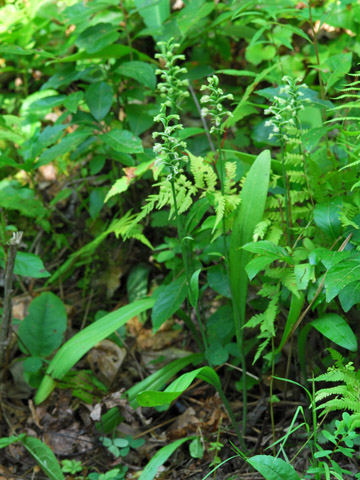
{"x":99,"y":98}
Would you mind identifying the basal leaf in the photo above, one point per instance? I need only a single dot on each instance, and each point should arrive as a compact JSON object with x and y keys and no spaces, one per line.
{"x":44,"y":457}
{"x":80,"y":344}
{"x":273,"y":468}
{"x":26,"y":264}
{"x":160,"y":458}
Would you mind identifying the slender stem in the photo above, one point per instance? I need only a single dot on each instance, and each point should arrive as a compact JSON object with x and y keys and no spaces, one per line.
{"x":185,"y":256}
{"x":287,"y":194}
{"x":234,"y":422}
{"x":222,"y":186}
{"x":271,"y":394}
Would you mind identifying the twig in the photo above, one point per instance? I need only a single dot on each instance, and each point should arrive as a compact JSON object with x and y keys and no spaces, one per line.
{"x":203,"y":121}
{"x":9,"y":271}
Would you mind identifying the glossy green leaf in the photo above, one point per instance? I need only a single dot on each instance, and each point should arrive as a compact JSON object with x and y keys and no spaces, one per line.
{"x":327,"y":217}
{"x":341,"y":275}
{"x":336,"y":329}
{"x":350,"y":296}
{"x":168,"y":301}
{"x":196,"y":448}
{"x":160,"y":458}
{"x":80,"y":344}
{"x":97,"y":37}
{"x":255,"y":265}
{"x":42,"y":331}
{"x":194,"y":288}
{"x":67,"y":144}
{"x":273,"y":468}
{"x":123,"y":141}
{"x":161,"y":377}
{"x":177,"y":387}
{"x":248,"y":215}
{"x":98,"y":97}
{"x":44,"y":457}
{"x":142,"y":72}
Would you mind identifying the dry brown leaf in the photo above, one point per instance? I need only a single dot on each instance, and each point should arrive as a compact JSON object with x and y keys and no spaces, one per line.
{"x":105,"y":359}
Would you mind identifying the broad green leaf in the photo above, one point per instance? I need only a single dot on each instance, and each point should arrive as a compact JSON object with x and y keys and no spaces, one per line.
{"x":194,"y":288}
{"x":142,"y":72}
{"x":26,"y":264}
{"x":313,"y":136}
{"x":196,"y":448}
{"x":98,"y":97}
{"x":303,"y":273}
{"x":247,"y":216}
{"x":160,"y":458}
{"x":161,"y":377}
{"x":67,"y":144}
{"x":153,"y":12}
{"x":218,"y":280}
{"x":177,"y":387}
{"x":264,"y":247}
{"x":112,"y":51}
{"x":17,"y":50}
{"x":336,"y":329}
{"x":327,"y":217}
{"x":273,"y":468}
{"x":193,"y":12}
{"x":80,"y":344}
{"x":97,"y":37}
{"x":15,"y":197}
{"x":350,"y":296}
{"x":339,"y":65}
{"x":72,"y":101}
{"x":123,"y":141}
{"x":44,"y":457}
{"x":255,"y":265}
{"x":257,"y":53}
{"x":96,"y":201}
{"x":140,"y":117}
{"x":168,"y":301}
{"x":341,"y":275}
{"x":42,"y":331}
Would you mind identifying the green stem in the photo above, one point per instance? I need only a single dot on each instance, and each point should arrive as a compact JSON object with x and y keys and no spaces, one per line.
{"x":287,"y":195}
{"x":222,"y":186}
{"x":185,"y":256}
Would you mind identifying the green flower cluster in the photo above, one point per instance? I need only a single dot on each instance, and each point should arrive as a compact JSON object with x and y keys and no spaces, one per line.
{"x":285,"y":109}
{"x":172,"y":90}
{"x":215,"y":109}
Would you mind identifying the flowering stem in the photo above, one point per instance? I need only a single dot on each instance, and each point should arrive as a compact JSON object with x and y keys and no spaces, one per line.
{"x":286,"y":195}
{"x":222,"y":186}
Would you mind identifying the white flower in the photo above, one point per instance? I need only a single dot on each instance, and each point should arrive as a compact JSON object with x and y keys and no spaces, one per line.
{"x":268,"y":123}
{"x":157,"y":148}
{"x":204,"y":112}
{"x":205,"y":99}
{"x":276,"y":129}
